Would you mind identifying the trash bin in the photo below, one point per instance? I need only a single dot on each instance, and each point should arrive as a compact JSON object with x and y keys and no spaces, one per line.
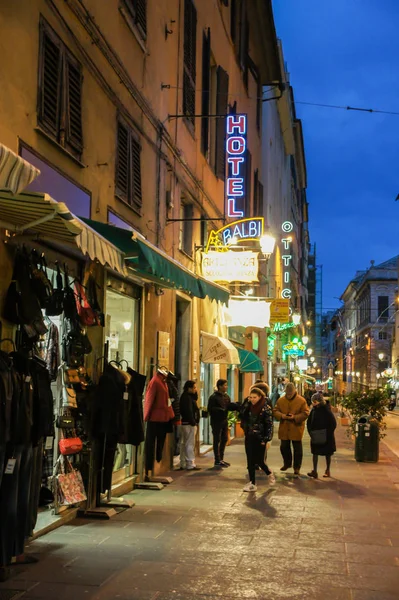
{"x":367,"y":440}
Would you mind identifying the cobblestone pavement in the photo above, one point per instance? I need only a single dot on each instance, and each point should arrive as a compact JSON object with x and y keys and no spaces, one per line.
{"x":202,"y":538}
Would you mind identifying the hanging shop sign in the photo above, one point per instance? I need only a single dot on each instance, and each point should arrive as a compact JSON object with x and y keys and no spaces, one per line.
{"x":278,"y":327}
{"x":244,"y":230}
{"x":286,"y":257}
{"x":279,"y":311}
{"x":247,"y":313}
{"x":294,"y":348}
{"x":230,"y":266}
{"x":236,"y":154}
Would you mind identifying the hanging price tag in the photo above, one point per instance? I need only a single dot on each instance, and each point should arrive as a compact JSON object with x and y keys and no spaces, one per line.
{"x":10,"y":466}
{"x":126,"y":396}
{"x":49,"y":443}
{"x":28,"y":378}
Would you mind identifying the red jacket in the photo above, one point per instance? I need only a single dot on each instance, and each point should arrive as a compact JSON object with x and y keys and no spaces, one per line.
{"x":156,"y":401}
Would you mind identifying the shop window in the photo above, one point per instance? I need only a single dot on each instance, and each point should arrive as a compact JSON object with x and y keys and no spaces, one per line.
{"x":190,"y":56}
{"x":121,"y":327}
{"x":60,"y":92}
{"x":128,"y":167}
{"x":186,"y":228}
{"x":57,"y":186}
{"x":137,"y":13}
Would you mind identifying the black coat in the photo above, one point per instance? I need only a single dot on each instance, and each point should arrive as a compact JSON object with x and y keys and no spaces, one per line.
{"x":190,"y":414}
{"x":321,"y":417}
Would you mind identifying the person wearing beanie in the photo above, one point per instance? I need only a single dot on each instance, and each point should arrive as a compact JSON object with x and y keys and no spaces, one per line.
{"x":292,"y":411}
{"x":321,"y":426}
{"x":257,"y":423}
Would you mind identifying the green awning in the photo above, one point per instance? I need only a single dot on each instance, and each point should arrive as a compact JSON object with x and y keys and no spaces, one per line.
{"x":149,"y":261}
{"x":249,"y":362}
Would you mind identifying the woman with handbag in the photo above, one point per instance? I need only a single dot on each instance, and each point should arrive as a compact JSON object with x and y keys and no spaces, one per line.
{"x":321,"y":426}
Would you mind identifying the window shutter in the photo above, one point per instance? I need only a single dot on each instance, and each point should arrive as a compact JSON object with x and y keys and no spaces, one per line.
{"x":50,"y":75}
{"x":221,"y":109}
{"x":73,"y":95}
{"x":189,"y":76}
{"x":141,"y":15}
{"x":136,"y":171}
{"x":122,"y":163}
{"x":260,"y":200}
{"x":206,"y":75}
{"x":256,"y":194}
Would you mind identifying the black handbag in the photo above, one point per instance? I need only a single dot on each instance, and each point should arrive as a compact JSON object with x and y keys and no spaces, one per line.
{"x":55,"y":304}
{"x":64,"y":422}
{"x":318,"y":437}
{"x":41,"y":284}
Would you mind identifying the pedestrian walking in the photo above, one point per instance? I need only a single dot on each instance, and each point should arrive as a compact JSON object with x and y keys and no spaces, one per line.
{"x":291,"y":410}
{"x":190,"y":417}
{"x":257,"y":423}
{"x":321,"y":426}
{"x":219,"y":404}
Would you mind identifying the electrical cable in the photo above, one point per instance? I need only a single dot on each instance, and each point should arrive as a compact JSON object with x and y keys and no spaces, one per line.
{"x":354,"y":108}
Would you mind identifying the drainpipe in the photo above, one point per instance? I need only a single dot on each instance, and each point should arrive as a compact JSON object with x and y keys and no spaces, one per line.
{"x":158,"y":186}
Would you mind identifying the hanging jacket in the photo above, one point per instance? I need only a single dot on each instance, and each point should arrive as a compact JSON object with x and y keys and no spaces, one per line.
{"x":108,"y":408}
{"x":133,"y":421}
{"x":156,"y":403}
{"x":7,"y":407}
{"x":21,"y":432}
{"x":43,"y":402}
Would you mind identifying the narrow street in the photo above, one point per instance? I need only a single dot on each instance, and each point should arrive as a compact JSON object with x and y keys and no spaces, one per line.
{"x":202,"y":538}
{"x":392,"y":433}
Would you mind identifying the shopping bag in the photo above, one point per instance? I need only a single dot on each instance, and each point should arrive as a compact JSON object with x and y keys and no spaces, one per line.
{"x":70,"y":488}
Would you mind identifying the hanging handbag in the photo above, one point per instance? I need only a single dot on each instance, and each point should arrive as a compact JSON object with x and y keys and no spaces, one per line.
{"x":318,"y":437}
{"x":40,"y":282}
{"x":65,"y":422}
{"x":87,"y":315}
{"x":65,"y":394}
{"x":54,"y":306}
{"x":69,"y":483}
{"x":69,"y":446}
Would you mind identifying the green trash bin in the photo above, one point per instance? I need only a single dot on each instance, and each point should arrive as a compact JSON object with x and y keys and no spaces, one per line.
{"x":367,"y":440}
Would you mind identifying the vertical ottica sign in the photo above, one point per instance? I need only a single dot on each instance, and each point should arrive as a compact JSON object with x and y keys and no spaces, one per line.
{"x":287,"y":227}
{"x":236,"y":153}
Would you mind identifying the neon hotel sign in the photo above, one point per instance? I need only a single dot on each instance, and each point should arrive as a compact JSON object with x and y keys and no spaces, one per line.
{"x":236,"y":151}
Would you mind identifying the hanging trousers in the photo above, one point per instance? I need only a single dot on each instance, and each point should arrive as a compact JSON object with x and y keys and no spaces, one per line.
{"x":36,"y":484}
{"x":14,"y":502}
{"x":154,"y":443}
{"x":219,"y":431}
{"x":255,"y":456}
{"x":286,"y":453}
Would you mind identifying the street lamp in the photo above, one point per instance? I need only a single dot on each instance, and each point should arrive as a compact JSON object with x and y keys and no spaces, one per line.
{"x":305,"y":339}
{"x":357,"y":374}
{"x":267,"y":243}
{"x":296,"y":319}
{"x":309,"y":351}
{"x":381,"y":356}
{"x":312,"y":359}
{"x":315,"y":364}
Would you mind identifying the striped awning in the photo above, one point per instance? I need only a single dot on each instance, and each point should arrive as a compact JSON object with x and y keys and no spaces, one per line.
{"x":39,"y":214}
{"x":15,"y":172}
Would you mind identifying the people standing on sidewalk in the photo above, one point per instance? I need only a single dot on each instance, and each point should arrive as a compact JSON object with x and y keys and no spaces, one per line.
{"x":190,"y":417}
{"x":321,"y":426}
{"x":257,"y":423}
{"x":291,"y":410}
{"x":219,"y":404}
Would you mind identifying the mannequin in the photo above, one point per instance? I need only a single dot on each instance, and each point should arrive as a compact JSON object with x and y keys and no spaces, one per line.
{"x":158,"y":413}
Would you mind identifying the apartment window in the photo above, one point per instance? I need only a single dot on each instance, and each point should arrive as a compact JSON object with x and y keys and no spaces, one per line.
{"x":382,"y":335}
{"x":203,"y":231}
{"x":239,"y":30}
{"x":206,"y":88}
{"x":383,"y":310}
{"x":258,"y":196}
{"x":137,"y":11}
{"x":128,"y":167}
{"x":186,"y":228}
{"x":222,"y":97}
{"x":59,"y":92}
{"x":189,"y":73}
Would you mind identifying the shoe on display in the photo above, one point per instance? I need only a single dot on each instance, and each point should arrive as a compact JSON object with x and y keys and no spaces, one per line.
{"x":285,"y":467}
{"x":250,"y":487}
{"x":271,"y":478}
{"x":313,"y":474}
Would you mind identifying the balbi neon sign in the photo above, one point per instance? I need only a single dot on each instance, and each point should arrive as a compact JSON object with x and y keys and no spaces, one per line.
{"x":244,"y":230}
{"x":236,"y":150}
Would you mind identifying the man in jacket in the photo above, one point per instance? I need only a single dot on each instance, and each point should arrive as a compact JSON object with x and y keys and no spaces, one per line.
{"x":292,"y":411}
{"x":189,"y":420}
{"x":219,"y":404}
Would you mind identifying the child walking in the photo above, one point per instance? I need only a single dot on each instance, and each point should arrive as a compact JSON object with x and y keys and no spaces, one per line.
{"x":257,"y":422}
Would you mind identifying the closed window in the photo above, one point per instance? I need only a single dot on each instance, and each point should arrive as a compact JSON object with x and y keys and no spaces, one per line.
{"x":258,"y":196}
{"x":190,"y":57}
{"x":59,"y":92}
{"x":128,"y":167}
{"x":137,"y":12}
{"x":206,"y":90}
{"x":382,"y":335}
{"x":222,"y":96}
{"x":186,"y":228}
{"x":383,"y":308}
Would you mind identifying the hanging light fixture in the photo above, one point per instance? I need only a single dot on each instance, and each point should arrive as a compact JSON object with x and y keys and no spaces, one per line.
{"x":267,"y":243}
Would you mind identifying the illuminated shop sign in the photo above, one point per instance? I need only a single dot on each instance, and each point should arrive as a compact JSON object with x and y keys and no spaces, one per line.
{"x":245,"y":230}
{"x":286,"y":257}
{"x":236,"y":154}
{"x":283,"y":326}
{"x":294,"y":348}
{"x":230,"y":266}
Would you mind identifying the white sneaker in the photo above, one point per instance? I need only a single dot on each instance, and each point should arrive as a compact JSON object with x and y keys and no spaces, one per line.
{"x":250,"y":487}
{"x":272,"y":479}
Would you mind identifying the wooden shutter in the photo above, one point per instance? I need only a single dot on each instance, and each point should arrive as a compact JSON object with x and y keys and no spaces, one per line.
{"x":222,"y":97}
{"x":50,"y":78}
{"x":136,"y":173}
{"x":189,"y":75}
{"x":141,"y":15}
{"x":206,"y":80}
{"x":122,"y":163}
{"x":73,"y":99}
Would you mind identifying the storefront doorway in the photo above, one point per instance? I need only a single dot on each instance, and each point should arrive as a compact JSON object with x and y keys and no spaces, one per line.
{"x":183,"y":340}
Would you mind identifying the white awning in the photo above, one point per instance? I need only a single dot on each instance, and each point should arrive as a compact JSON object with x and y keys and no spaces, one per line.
{"x":217,"y":350}
{"x":15,"y":172}
{"x":41,"y":215}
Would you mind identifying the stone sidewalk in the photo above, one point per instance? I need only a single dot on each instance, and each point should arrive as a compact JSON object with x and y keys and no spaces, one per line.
{"x":202,"y":538}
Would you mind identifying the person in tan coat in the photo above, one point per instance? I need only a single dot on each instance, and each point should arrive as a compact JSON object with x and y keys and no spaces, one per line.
{"x":292,"y":411}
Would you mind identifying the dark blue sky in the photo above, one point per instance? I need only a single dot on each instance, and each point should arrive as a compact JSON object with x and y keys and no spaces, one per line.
{"x":346,"y":52}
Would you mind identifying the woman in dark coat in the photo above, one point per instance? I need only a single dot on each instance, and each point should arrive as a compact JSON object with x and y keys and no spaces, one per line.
{"x":321,"y":426}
